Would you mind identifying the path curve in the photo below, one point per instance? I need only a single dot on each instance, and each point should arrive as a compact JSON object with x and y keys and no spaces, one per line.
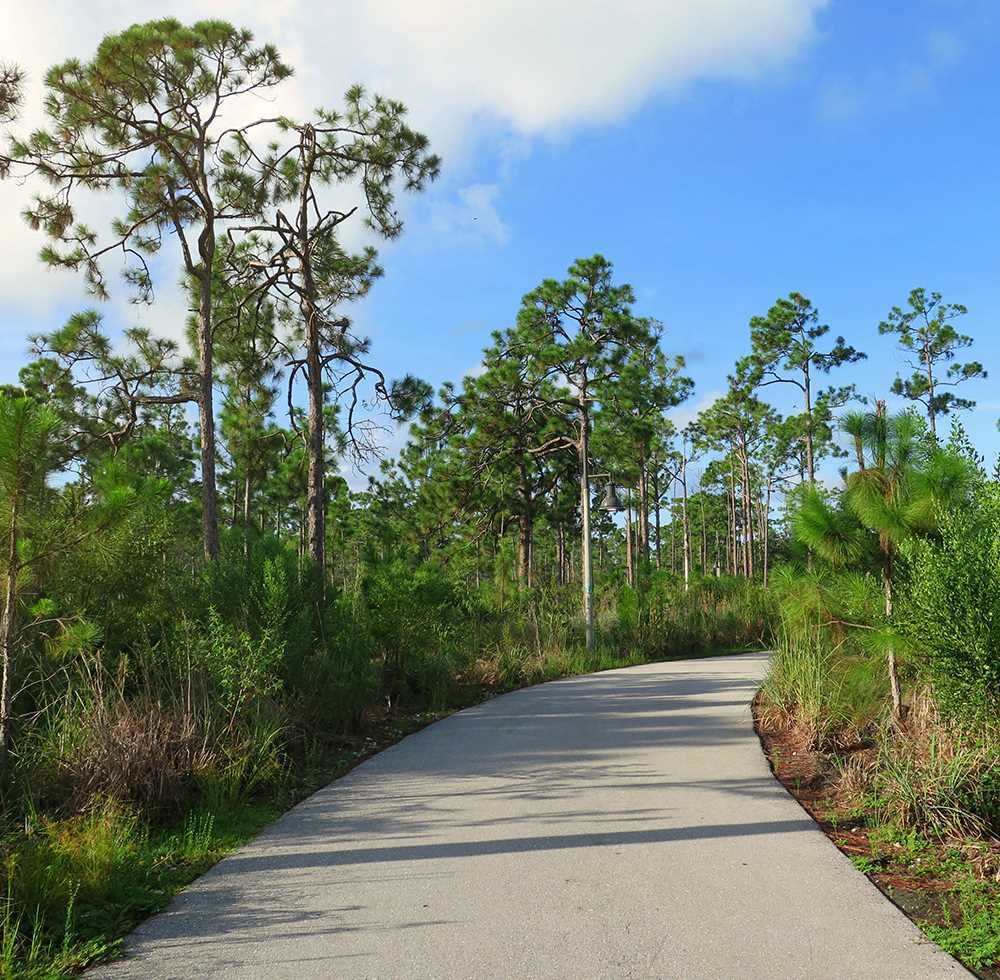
{"x":622,"y":824}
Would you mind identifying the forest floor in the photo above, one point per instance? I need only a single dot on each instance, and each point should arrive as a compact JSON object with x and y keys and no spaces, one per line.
{"x":949,"y":888}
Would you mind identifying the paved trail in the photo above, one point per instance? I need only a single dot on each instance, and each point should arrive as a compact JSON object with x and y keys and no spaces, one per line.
{"x":623,"y":824}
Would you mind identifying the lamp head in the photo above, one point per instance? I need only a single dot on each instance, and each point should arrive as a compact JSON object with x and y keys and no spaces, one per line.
{"x":611,"y":503}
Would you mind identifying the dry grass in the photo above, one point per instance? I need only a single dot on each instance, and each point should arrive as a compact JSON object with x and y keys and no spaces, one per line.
{"x":142,"y":753}
{"x":929,"y":774}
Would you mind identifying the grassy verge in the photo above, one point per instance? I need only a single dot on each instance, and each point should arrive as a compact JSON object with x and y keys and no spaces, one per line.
{"x":76,"y":886}
{"x":946,"y":880}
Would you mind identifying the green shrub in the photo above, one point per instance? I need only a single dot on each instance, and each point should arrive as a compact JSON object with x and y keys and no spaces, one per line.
{"x":951,"y":608}
{"x":418,"y":622}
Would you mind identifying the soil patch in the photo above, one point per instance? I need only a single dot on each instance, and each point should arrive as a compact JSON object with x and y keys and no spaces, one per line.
{"x":918,"y":884}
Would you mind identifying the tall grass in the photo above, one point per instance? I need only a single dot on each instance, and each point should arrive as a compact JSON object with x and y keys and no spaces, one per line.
{"x":940,"y":775}
{"x":816,"y":684}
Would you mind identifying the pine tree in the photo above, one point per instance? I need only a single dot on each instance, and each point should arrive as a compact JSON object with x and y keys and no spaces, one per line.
{"x":926,"y":331}
{"x":786,"y":350}
{"x":902,"y":483}
{"x":151,"y":115}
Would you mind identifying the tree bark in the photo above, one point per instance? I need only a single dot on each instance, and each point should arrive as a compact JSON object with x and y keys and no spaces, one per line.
{"x":656,"y":515}
{"x":586,"y":570}
{"x":316,"y":478}
{"x":525,"y":526}
{"x":643,"y":523}
{"x":747,"y":501}
{"x":737,"y":540}
{"x":246,"y":514}
{"x":807,"y":395}
{"x":931,"y":415}
{"x":206,"y":410}
{"x":766,"y":532}
{"x":685,"y":528}
{"x":8,"y":630}
{"x":629,"y":553}
{"x":704,"y":535}
{"x":894,"y":688}
{"x":315,"y":481}
{"x":673,"y":531}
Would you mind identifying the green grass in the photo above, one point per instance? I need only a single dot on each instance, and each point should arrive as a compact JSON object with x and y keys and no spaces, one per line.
{"x":865,"y":864}
{"x":75,"y":887}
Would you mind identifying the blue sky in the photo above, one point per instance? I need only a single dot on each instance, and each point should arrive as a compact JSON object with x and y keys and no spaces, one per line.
{"x":845,"y":177}
{"x":858,"y":159}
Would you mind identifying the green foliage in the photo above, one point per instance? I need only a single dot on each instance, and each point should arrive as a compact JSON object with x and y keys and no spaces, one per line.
{"x":926,"y":332}
{"x":938,"y":781}
{"x":788,"y":349}
{"x":833,"y":697}
{"x":160,"y":705}
{"x":11,"y":95}
{"x":975,"y":939}
{"x":417,"y":621}
{"x":75,"y":886}
{"x":952,"y":606}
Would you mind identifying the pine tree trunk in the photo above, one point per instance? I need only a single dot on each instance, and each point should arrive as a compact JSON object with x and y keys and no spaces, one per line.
{"x":246,"y":515}
{"x":685,"y":528}
{"x":586,"y":569}
{"x":673,"y":536}
{"x":525,"y":521}
{"x":629,"y":555}
{"x":643,"y":523}
{"x":316,"y":478}
{"x":747,"y":509}
{"x":206,"y":411}
{"x":931,"y":414}
{"x":733,"y":550}
{"x":807,"y":394}
{"x":766,"y":532}
{"x":894,"y":688}
{"x":8,"y":631}
{"x":656,"y":515}
{"x":315,"y":481}
{"x":704,"y":536}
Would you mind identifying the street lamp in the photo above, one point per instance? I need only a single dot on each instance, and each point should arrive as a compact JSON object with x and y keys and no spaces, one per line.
{"x":612,"y":505}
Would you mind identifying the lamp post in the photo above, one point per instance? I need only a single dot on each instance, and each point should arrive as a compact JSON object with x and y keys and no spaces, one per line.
{"x":612,"y":505}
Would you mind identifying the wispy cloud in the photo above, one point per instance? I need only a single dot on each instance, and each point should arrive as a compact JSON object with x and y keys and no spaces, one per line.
{"x":884,"y":88}
{"x":685,"y":414}
{"x":472,"y":217}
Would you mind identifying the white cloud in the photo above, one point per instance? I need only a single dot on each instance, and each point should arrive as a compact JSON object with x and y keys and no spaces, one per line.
{"x":685,"y":414}
{"x":539,"y":64}
{"x":504,"y":73}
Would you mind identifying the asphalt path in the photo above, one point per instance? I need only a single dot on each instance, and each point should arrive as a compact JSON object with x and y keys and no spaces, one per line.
{"x":622,"y":824}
